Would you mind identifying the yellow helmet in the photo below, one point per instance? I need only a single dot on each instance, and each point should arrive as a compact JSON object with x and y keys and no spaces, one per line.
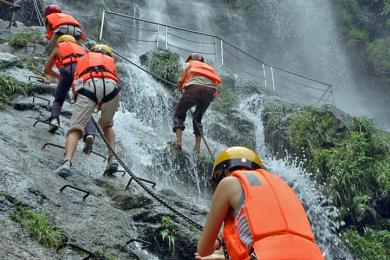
{"x":234,"y":157}
{"x":66,"y":38}
{"x":106,"y":50}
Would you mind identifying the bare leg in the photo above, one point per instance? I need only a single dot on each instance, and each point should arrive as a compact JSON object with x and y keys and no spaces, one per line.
{"x":71,"y":144}
{"x":109,"y":134}
{"x":198,"y":139}
{"x":179,"y":134}
{"x":70,"y":148}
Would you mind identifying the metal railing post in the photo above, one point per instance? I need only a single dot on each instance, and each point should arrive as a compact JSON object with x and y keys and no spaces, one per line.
{"x":273,"y":80}
{"x":324,"y":94}
{"x":215,"y":49}
{"x":102,"y":25}
{"x":333,"y":99}
{"x":220,"y":45}
{"x":166,"y":37}
{"x":158,"y":32}
{"x":222,"y":52}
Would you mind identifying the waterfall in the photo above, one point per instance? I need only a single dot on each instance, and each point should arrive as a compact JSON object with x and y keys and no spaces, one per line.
{"x":143,"y":127}
{"x":143,"y":122}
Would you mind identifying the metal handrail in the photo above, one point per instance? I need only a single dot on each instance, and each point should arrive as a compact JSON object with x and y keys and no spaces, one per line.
{"x":206,"y":53}
{"x":166,"y":25}
{"x":184,"y":39}
{"x":223,"y":46}
{"x":275,"y":67}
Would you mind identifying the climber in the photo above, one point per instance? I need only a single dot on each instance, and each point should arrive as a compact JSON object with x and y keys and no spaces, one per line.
{"x":97,"y":86}
{"x":65,"y":56}
{"x":59,"y":23}
{"x":200,"y":83}
{"x":261,"y":215}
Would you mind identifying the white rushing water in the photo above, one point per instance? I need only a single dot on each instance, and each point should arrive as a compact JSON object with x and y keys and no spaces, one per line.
{"x":143,"y":127}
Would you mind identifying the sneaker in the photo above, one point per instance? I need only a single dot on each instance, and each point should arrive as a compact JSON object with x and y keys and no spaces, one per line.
{"x":111,"y":168}
{"x":54,"y":123}
{"x":64,"y":170}
{"x":88,"y":143}
{"x":175,"y":145}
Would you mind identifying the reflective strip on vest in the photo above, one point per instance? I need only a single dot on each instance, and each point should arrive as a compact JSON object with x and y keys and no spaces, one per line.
{"x":96,"y":65}
{"x":57,"y":19}
{"x":69,"y":52}
{"x":201,"y":69}
{"x":270,"y":208}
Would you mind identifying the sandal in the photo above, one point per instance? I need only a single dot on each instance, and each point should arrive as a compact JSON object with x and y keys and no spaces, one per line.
{"x":175,"y":145}
{"x":64,"y":170}
{"x":111,"y":168}
{"x":88,"y":144}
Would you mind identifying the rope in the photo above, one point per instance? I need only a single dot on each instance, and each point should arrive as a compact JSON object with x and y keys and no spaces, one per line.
{"x":302,"y":84}
{"x":143,"y":186}
{"x":189,"y":50}
{"x":300,"y":93}
{"x":137,"y":28}
{"x":237,"y":58}
{"x":36,"y":7}
{"x":40,"y":17}
{"x":139,"y":40}
{"x":181,"y":38}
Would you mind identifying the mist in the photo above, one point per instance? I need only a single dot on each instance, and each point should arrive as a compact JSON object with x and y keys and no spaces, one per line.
{"x":298,"y":35}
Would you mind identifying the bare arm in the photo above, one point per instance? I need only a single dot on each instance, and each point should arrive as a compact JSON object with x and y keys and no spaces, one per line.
{"x":182,"y":77}
{"x":225,"y":195}
{"x":217,"y":255}
{"x":50,"y":63}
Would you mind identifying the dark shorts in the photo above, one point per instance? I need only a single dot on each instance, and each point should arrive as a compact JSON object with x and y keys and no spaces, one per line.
{"x":194,"y":95}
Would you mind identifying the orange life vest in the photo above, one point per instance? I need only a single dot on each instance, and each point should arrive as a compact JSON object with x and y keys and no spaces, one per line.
{"x":69,"y":52}
{"x":276,"y":219}
{"x":96,"y":65}
{"x":55,"y":20}
{"x":198,"y":68}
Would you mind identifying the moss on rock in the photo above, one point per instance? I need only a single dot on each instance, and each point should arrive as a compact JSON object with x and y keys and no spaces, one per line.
{"x":9,"y":88}
{"x":351,"y":155}
{"x":163,"y":64}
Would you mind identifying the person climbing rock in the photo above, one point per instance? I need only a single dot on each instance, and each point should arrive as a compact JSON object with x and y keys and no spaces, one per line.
{"x":200,"y":83}
{"x":65,"y":56}
{"x":59,"y":23}
{"x":261,"y":215}
{"x":97,"y":86}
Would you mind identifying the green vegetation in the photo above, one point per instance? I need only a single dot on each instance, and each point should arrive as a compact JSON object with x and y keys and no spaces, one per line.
{"x":22,"y":39}
{"x":368,"y":22}
{"x":372,"y":245}
{"x":33,"y":63}
{"x":378,"y":55}
{"x":354,"y":163}
{"x":226,"y":100}
{"x":38,"y":227}
{"x":3,"y":193}
{"x":167,"y":233}
{"x":165,"y":65}
{"x":9,"y":87}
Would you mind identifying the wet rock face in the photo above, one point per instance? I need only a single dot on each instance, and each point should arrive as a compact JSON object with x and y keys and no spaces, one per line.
{"x":233,"y":129}
{"x":169,"y":238}
{"x":23,"y":12}
{"x":382,"y":204}
{"x":8,"y":60}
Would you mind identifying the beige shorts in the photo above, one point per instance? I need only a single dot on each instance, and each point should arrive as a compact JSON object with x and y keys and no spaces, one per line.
{"x":84,"y":107}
